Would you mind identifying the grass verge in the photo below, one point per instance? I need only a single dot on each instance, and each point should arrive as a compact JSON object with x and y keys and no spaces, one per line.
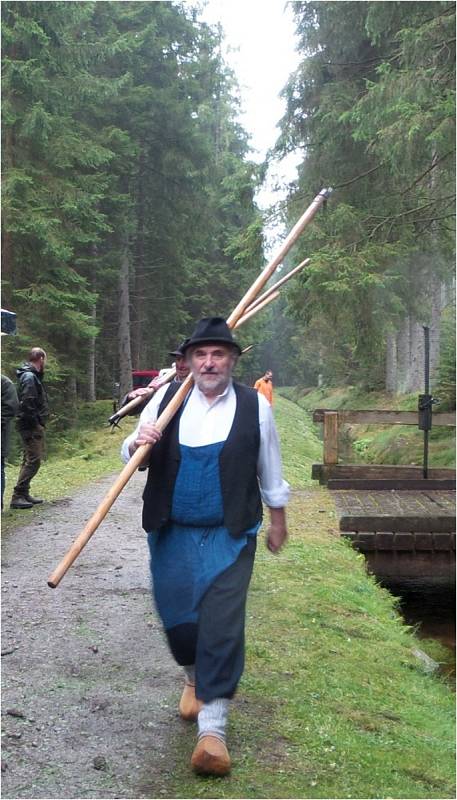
{"x":333,"y":703}
{"x":300,"y":443}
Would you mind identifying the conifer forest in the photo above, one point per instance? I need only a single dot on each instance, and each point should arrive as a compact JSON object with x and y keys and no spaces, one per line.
{"x":129,"y":189}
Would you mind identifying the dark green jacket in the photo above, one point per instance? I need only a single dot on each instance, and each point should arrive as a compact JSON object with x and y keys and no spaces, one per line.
{"x":33,"y":400}
{"x":10,"y":407}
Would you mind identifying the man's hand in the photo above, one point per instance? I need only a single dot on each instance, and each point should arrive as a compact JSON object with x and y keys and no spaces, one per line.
{"x":138,"y":392}
{"x":156,"y":383}
{"x":147,"y":434}
{"x":277,"y":531}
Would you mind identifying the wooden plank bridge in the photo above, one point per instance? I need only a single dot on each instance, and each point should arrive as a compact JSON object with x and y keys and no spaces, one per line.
{"x":403,"y":534}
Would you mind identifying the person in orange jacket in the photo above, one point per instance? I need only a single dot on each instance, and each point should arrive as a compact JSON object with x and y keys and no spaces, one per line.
{"x":265,"y":386}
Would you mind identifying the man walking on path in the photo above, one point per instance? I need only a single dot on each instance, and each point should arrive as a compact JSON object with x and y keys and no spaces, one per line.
{"x":265,"y":386}
{"x":32,"y":416}
{"x":209,"y":471}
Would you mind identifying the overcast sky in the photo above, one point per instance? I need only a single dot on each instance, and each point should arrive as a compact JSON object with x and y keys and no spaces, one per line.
{"x":260,"y":48}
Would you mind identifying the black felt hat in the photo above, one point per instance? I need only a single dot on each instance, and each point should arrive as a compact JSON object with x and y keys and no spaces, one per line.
{"x":211,"y":330}
{"x":179,"y":350}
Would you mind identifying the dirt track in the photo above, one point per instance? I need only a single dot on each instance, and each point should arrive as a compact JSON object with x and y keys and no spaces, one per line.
{"x":89,"y":689}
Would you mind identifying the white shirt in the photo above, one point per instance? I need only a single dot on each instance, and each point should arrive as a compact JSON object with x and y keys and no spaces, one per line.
{"x":202,"y":423}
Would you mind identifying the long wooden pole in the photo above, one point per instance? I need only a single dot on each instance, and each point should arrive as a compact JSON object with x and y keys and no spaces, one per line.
{"x":136,"y":460}
{"x":290,"y":240}
{"x":176,"y":401}
{"x":276,"y":286}
{"x":251,"y":311}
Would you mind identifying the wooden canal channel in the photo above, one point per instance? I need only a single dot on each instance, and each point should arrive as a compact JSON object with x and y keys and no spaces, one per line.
{"x":402,"y":523}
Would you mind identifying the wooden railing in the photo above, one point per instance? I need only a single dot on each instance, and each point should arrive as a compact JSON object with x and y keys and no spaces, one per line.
{"x":333,"y":419}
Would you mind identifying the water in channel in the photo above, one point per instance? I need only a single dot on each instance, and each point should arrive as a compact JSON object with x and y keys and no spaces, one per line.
{"x":430,"y":608}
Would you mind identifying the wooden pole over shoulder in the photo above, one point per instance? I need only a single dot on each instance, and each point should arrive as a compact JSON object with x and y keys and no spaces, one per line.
{"x":176,"y":401}
{"x":274,"y":289}
{"x":136,"y":461}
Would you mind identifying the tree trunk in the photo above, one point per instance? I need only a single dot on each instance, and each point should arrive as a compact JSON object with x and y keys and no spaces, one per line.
{"x":391,"y":363}
{"x":72,"y":388}
{"x":403,"y":356}
{"x":7,"y":267}
{"x":320,"y":377}
{"x":91,"y":394}
{"x":7,"y":236}
{"x":91,"y":384}
{"x":438,"y":301}
{"x":436,"y":290}
{"x":416,"y":372}
{"x":139,"y":270}
{"x":125,"y":357}
{"x":71,"y":400}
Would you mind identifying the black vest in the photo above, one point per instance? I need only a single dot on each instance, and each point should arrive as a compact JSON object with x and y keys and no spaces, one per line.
{"x":237,"y":467}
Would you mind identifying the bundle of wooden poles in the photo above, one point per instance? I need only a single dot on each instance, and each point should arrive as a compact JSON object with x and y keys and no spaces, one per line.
{"x":267,"y":297}
{"x":250,"y":304}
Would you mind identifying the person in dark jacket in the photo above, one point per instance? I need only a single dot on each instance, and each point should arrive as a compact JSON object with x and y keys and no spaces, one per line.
{"x":216,"y":461}
{"x":10,"y":407}
{"x":32,"y":417}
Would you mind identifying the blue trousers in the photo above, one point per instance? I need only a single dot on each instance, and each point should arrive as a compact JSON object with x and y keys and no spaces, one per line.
{"x":213,"y":639}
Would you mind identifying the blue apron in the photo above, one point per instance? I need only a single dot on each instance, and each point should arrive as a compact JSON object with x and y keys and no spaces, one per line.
{"x":194,"y":547}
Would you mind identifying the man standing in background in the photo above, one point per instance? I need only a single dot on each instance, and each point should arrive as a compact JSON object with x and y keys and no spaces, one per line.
{"x":32,"y":416}
{"x":265,"y":386}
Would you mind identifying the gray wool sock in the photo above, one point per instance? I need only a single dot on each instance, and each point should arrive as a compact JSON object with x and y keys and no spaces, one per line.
{"x":212,"y":719}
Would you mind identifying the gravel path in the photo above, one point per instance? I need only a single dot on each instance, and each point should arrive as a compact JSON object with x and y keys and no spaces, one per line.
{"x":89,"y":689}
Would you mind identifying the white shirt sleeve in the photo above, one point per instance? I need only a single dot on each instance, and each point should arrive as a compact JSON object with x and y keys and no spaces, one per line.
{"x":274,"y":489}
{"x":149,"y":414}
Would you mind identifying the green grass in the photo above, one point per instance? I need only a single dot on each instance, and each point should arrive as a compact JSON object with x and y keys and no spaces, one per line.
{"x":300,"y":445}
{"x":333,"y":703}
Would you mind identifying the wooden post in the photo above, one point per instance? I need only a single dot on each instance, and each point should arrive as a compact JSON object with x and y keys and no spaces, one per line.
{"x":331,"y":437}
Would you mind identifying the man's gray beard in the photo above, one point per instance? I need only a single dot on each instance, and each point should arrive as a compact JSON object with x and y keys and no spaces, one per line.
{"x":211,"y":386}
